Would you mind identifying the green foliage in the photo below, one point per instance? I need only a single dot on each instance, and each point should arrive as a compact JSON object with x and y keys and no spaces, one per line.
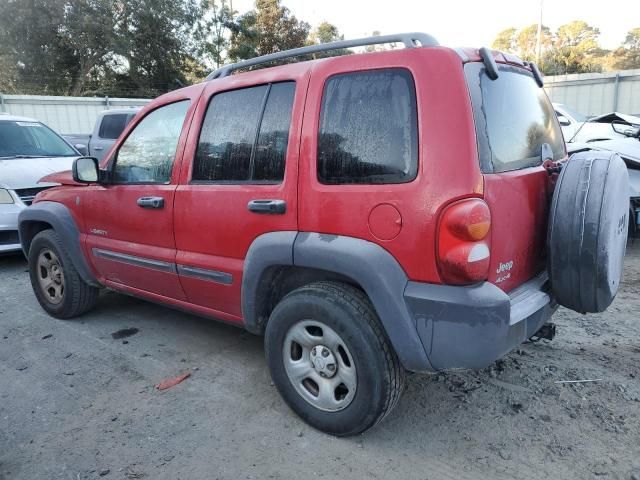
{"x":573,"y":48}
{"x":74,"y":47}
{"x":628,"y":55}
{"x":506,"y":40}
{"x":576,"y":49}
{"x":212,"y":35}
{"x":268,"y":29}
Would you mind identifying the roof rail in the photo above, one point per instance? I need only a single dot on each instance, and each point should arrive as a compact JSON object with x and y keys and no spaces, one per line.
{"x":410,"y":40}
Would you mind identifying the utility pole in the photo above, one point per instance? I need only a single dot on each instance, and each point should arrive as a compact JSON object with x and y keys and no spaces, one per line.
{"x":539,"y":39}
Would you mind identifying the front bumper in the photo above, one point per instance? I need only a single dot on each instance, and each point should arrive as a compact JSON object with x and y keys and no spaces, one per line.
{"x":9,"y":227}
{"x":471,"y":327}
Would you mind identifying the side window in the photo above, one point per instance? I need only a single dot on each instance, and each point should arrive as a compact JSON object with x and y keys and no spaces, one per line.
{"x":148,"y":153}
{"x":244,"y":135}
{"x":368,"y":128}
{"x":112,"y":126}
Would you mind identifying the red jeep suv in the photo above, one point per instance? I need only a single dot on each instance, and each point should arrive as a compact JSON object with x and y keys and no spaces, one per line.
{"x":368,"y":214}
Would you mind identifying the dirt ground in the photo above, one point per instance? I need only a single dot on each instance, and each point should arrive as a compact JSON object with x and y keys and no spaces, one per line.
{"x":75,"y":403}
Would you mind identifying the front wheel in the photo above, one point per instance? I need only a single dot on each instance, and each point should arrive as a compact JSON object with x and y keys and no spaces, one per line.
{"x":331,"y":360}
{"x":59,"y":288}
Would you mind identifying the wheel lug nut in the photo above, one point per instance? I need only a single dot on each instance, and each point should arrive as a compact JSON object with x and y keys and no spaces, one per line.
{"x":331,"y":367}
{"x":325,"y":352}
{"x":322,"y":374}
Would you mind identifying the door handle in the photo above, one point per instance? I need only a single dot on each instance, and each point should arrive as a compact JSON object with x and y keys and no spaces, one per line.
{"x":98,"y":148}
{"x":151,"y":202}
{"x":273,"y":207}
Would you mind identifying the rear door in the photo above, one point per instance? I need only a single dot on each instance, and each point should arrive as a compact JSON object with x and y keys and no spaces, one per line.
{"x":514,"y":120}
{"x":243,"y":152}
{"x":129,"y":221}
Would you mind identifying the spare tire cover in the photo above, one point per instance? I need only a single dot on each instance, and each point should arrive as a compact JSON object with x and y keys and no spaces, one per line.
{"x":587,"y":234}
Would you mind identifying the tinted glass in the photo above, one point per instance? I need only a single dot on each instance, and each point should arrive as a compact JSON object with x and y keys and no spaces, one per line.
{"x":271,"y":148}
{"x":513,"y":118}
{"x":31,"y":139}
{"x":228,"y":150}
{"x":112,"y":125}
{"x":148,"y":153}
{"x":227,"y":136}
{"x":368,"y":128}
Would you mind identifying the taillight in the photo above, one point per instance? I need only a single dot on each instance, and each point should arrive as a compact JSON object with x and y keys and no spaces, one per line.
{"x":463,"y":243}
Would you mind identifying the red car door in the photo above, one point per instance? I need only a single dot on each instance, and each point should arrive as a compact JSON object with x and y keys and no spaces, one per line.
{"x":129,"y":221}
{"x":242,"y":148}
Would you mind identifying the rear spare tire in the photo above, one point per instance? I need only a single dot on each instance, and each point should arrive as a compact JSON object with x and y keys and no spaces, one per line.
{"x":588,"y":231}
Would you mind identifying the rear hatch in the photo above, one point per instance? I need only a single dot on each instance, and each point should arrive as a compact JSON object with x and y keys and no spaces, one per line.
{"x":514,"y":120}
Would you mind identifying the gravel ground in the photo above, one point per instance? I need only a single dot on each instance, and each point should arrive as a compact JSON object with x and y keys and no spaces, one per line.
{"x":76,"y":403}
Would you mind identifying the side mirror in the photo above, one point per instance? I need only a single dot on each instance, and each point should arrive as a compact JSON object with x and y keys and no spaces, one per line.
{"x":82,"y":149}
{"x":85,"y":170}
{"x":564,"y":121}
{"x":625,"y":129}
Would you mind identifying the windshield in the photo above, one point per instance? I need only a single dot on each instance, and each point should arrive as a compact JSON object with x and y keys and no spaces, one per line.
{"x":31,"y":139}
{"x":577,"y":116}
{"x":513,"y":119}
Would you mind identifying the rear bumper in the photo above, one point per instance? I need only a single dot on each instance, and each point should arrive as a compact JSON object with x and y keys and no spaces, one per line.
{"x":471,"y":327}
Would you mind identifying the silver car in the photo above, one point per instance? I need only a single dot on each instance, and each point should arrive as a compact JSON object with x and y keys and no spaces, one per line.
{"x":29,"y":150}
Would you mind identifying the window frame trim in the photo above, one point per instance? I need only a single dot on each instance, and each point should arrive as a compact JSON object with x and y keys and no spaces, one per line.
{"x":113,"y":161}
{"x":263,"y":107}
{"x":416,"y":111}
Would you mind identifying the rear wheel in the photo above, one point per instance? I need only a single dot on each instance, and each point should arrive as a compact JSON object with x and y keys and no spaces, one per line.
{"x":331,"y":360}
{"x":56,"y":283}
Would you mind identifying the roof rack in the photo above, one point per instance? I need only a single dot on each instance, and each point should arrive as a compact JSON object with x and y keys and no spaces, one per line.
{"x":410,"y":40}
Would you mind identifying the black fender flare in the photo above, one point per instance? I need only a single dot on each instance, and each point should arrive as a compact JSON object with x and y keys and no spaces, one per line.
{"x":369,"y":265}
{"x":59,"y":217}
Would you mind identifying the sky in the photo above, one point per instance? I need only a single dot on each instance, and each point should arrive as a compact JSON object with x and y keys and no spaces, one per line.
{"x":462,"y":22}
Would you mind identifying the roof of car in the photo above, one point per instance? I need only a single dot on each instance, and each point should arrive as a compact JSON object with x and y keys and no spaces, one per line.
{"x":114,"y":111}
{"x":16,"y":118}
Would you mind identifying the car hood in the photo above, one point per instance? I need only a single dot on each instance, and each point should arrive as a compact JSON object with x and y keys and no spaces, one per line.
{"x":26,"y":172}
{"x":628,"y":148}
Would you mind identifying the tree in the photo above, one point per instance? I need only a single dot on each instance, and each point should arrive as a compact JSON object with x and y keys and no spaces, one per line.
{"x":86,"y":37}
{"x":380,"y":47}
{"x":143,"y":47}
{"x":156,"y":37}
{"x":505,"y":41}
{"x":628,"y":55}
{"x":213,"y":33}
{"x":576,"y":49}
{"x":268,"y":29}
{"x":527,"y":42}
{"x":8,"y":74}
{"x":325,"y":33}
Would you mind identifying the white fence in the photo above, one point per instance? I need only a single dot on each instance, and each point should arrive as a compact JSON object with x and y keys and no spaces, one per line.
{"x":65,"y":114}
{"x":597,"y":93}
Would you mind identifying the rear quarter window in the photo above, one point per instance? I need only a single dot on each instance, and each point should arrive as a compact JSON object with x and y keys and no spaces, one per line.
{"x":513,"y":119}
{"x":113,"y":125}
{"x":368,"y":128}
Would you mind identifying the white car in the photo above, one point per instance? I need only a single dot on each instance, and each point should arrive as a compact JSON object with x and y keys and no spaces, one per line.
{"x":29,"y":150}
{"x":577,"y":127}
{"x":629,"y":150}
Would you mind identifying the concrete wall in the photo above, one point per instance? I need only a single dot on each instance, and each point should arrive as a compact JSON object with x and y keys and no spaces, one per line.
{"x":597,"y":93}
{"x":65,"y":114}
